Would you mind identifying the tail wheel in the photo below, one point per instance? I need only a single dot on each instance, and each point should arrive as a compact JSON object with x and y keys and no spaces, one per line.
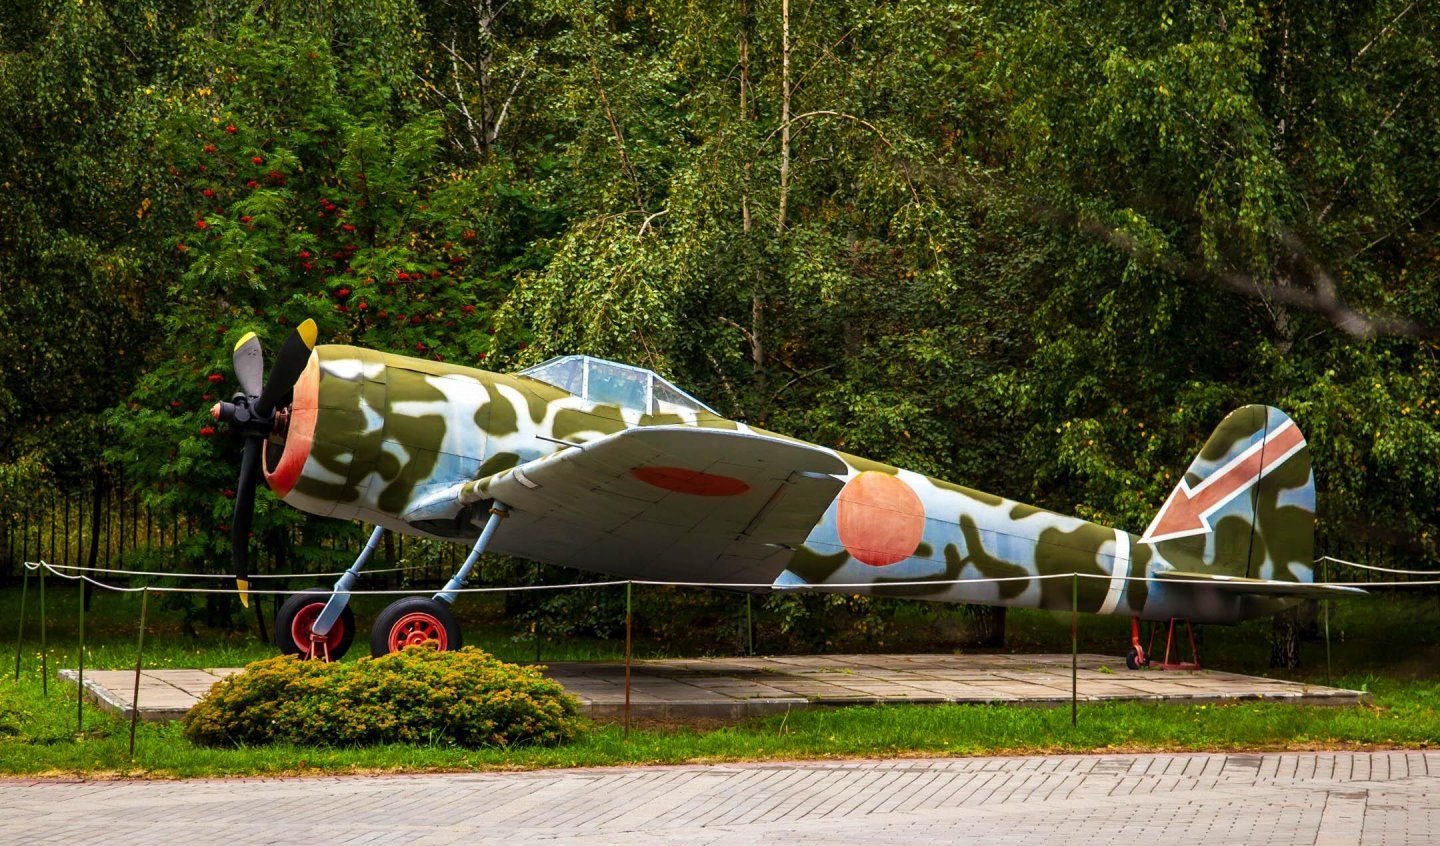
{"x":414,"y":620}
{"x":294,"y":627}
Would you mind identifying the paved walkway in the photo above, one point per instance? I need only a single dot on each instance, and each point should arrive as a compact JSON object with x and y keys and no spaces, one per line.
{"x":1303,"y":798}
{"x":738,"y":687}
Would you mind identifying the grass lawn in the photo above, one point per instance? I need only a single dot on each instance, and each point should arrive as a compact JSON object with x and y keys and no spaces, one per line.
{"x":1387,"y":646}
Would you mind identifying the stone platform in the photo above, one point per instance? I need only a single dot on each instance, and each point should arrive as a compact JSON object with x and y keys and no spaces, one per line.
{"x":727,"y":688}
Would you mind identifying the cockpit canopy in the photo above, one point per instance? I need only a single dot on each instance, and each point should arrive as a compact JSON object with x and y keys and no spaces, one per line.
{"x":601,"y":381}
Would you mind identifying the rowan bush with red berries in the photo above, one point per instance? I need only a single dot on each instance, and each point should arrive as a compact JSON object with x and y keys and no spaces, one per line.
{"x":329,"y":208}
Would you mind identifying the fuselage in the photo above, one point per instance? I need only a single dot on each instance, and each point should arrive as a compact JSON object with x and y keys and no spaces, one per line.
{"x":370,"y":433}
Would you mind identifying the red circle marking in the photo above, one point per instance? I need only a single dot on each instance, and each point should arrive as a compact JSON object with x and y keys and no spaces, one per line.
{"x":684,"y":481}
{"x":303,"y":624}
{"x":417,"y":627}
{"x":880,"y":519}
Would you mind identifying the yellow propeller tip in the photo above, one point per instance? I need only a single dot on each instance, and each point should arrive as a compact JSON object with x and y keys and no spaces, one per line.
{"x":308,"y":332}
{"x":243,"y":587}
{"x":244,"y":339}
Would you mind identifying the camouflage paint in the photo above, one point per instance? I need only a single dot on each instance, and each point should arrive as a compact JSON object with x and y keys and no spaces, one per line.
{"x":389,"y":440}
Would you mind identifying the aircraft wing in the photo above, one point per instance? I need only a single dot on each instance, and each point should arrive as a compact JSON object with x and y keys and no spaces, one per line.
{"x":1264,"y":587}
{"x":673,"y":502}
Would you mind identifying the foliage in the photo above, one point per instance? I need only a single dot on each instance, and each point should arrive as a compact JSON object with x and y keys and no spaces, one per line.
{"x":465,"y":697}
{"x":1037,"y":249}
{"x":328,"y":207}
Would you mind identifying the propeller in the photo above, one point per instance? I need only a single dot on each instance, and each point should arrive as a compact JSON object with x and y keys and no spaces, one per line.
{"x":251,"y":412}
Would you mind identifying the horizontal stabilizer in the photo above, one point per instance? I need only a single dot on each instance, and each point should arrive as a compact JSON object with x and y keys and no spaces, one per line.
{"x":1265,"y":587}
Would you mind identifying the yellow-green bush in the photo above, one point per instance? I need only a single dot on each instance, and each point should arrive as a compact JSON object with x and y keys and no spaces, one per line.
{"x":465,"y":698}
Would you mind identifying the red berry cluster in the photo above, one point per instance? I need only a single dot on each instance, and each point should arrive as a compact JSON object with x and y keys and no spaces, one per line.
{"x":415,"y":293}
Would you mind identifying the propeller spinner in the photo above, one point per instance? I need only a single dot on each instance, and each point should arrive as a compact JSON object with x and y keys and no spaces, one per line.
{"x":251,"y":412}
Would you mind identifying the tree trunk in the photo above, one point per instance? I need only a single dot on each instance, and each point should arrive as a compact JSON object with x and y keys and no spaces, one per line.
{"x":1285,"y":639}
{"x":745,"y":25}
{"x":781,"y":216}
{"x":987,"y":625}
{"x":1309,"y":611}
{"x":757,"y":299}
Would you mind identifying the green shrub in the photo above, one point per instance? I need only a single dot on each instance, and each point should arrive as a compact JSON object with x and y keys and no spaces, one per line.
{"x":465,"y":698}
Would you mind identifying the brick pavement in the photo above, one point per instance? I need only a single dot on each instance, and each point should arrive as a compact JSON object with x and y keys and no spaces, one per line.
{"x":1386,"y":798}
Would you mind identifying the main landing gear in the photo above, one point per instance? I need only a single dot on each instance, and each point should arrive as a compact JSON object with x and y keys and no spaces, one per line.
{"x":295,"y":627}
{"x":411,"y":620}
{"x":1139,"y":656}
{"x":317,"y":623}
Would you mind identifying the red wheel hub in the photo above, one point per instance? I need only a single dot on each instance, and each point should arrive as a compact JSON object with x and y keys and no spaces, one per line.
{"x":302,"y":632}
{"x":417,"y":627}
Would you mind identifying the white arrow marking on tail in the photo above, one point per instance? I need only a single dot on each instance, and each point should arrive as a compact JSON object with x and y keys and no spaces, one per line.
{"x":1188,"y":510}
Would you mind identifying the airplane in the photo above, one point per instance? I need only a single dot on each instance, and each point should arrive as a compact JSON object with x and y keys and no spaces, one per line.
{"x":609,"y":468}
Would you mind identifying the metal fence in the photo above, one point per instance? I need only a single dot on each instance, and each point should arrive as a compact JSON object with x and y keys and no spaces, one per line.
{"x":110,"y":526}
{"x":98,"y":526}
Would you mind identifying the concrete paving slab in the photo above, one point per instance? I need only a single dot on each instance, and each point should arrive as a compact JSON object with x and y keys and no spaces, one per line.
{"x":741,"y":687}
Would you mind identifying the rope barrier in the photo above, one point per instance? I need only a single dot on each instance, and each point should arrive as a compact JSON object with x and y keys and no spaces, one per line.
{"x":1375,"y":568}
{"x":56,"y":568}
{"x":172,"y":575}
{"x":826,"y":587}
{"x":253,"y":591}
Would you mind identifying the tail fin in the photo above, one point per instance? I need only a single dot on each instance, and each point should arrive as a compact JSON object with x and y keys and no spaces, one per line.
{"x":1246,"y":505}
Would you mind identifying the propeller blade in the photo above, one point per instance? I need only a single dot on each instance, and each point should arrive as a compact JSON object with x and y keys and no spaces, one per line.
{"x":249,"y":361}
{"x":294,"y":355}
{"x":244,"y":513}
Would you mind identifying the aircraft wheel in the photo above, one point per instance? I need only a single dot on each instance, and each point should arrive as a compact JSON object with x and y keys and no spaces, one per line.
{"x":412,"y":620}
{"x":296,"y":617}
{"x":1133,"y":659}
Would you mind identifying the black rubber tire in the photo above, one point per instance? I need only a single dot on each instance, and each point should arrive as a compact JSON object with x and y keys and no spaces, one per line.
{"x":400,"y":609}
{"x":293,"y":606}
{"x":1132,"y":659}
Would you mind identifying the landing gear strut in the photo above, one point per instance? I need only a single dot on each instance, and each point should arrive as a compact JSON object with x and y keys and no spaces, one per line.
{"x":317,"y":623}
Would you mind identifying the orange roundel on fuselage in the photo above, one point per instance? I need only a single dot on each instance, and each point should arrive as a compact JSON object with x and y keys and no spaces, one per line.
{"x":685,"y":481}
{"x":879,"y":518}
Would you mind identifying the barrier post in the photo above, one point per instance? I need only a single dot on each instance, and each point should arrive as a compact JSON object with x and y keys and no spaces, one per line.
{"x":1074,"y":649}
{"x":628,"y":586}
{"x":535,"y":634}
{"x":44,"y":652}
{"x":749,"y":627}
{"x":80,"y":671}
{"x":20,"y":628}
{"x":1326,"y":614}
{"x":139,"y":662}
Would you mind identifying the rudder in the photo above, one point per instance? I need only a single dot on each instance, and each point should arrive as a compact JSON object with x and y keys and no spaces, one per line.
{"x":1246,"y":505}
